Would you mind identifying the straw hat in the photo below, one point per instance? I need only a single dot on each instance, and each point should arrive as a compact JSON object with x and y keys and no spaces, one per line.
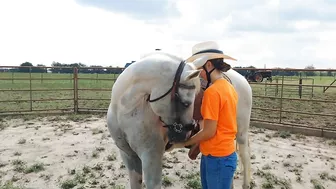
{"x":209,"y":49}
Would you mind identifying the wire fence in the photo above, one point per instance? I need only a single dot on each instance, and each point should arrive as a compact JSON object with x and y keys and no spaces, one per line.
{"x":298,"y":97}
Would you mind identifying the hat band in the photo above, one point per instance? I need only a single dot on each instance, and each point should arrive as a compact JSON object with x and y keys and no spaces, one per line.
{"x":209,"y":51}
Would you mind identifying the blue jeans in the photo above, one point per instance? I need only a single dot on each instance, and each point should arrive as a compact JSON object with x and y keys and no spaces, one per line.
{"x":218,"y":172}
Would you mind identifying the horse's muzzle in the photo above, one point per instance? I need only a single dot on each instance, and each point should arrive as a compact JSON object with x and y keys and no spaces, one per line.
{"x":195,"y":130}
{"x":178,"y":132}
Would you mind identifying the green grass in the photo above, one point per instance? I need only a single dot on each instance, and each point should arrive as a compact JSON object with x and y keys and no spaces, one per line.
{"x":262,"y":89}
{"x":56,"y":93}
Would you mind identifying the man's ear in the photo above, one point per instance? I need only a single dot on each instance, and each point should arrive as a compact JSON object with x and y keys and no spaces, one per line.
{"x":193,"y":74}
{"x":207,"y":64}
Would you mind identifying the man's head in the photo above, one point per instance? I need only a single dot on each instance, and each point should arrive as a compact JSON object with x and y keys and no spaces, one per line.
{"x":216,"y":64}
{"x":215,"y":58}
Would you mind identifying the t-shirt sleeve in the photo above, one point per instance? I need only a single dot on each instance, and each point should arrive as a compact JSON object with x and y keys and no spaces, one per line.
{"x":210,"y":105}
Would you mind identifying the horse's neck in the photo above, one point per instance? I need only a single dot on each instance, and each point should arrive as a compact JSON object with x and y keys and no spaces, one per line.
{"x":137,"y":82}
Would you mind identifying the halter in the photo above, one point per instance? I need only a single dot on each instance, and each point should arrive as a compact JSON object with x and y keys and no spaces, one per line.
{"x":175,"y":97}
{"x":208,"y":75}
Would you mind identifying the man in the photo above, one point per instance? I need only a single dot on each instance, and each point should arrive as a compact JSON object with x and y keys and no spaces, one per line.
{"x":216,"y":137}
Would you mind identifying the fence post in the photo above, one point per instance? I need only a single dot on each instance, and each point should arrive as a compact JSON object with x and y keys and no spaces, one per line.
{"x":281,"y":95}
{"x":266,"y":88}
{"x":75,"y":83}
{"x":300,"y":88}
{"x":277,"y":87}
{"x":313,"y":82}
{"x":30,"y":89}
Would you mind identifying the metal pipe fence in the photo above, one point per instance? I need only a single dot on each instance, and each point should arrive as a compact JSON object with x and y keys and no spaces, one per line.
{"x":297,"y":97}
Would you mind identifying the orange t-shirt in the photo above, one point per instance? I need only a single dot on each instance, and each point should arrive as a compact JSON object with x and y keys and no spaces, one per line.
{"x":220,"y":103}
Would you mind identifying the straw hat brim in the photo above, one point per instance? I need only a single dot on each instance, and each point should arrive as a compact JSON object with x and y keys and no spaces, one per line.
{"x":210,"y":56}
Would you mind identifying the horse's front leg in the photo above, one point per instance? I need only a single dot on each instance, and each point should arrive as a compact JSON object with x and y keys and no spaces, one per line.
{"x":152,"y":165}
{"x":133,"y":164}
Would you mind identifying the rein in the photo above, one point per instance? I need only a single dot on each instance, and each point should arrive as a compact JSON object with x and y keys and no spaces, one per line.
{"x":176,"y":126}
{"x":174,"y":86}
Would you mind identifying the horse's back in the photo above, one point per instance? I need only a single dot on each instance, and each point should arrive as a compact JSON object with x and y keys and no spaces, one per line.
{"x":244,"y":106}
{"x":241,"y":85}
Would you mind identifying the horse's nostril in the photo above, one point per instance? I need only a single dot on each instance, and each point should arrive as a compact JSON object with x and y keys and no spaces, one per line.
{"x":186,"y":104}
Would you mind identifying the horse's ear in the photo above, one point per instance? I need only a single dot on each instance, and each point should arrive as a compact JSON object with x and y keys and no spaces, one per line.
{"x":192,"y":74}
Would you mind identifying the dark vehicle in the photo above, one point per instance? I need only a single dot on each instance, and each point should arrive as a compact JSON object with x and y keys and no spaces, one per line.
{"x":256,"y":76}
{"x":127,"y":64}
{"x":259,"y":76}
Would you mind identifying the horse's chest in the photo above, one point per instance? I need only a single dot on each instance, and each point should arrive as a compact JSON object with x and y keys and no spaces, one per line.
{"x":139,"y":124}
{"x":134,"y":113}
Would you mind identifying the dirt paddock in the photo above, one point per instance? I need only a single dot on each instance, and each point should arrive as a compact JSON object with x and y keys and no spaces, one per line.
{"x":76,"y":152}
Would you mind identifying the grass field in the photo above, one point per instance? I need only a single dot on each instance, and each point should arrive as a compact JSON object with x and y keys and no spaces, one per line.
{"x":56,"y":86}
{"x":41,"y":82}
{"x":307,"y":105}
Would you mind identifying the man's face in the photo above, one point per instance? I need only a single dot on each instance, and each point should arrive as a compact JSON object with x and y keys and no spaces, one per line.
{"x":203,"y":72}
{"x":203,"y":75}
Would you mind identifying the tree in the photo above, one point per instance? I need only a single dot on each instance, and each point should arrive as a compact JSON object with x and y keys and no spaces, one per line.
{"x":26,"y":69}
{"x":310,"y":73}
{"x":39,"y":70}
{"x":329,"y":73}
{"x":55,"y":64}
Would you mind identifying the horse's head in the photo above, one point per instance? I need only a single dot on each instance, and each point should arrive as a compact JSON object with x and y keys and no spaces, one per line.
{"x":175,"y":106}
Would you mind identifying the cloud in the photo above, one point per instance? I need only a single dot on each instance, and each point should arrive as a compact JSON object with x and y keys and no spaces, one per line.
{"x":308,"y":10}
{"x":277,"y":33}
{"x":263,"y":32}
{"x":138,"y":9}
{"x":42,"y":32}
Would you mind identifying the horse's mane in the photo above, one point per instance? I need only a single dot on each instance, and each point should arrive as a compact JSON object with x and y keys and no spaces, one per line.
{"x":176,"y":58}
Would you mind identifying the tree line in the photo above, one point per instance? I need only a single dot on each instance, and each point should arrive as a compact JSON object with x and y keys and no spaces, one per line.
{"x":64,"y":68}
{"x":82,"y":68}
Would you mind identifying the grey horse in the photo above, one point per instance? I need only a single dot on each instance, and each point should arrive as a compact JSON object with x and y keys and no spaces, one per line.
{"x":152,"y":103}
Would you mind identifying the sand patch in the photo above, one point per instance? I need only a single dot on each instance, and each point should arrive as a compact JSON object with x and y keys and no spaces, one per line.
{"x":58,"y":153}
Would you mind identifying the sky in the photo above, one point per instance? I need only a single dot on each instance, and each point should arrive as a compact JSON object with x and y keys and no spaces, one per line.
{"x":262,"y":33}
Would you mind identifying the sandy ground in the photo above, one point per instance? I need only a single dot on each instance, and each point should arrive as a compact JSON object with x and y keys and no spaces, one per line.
{"x":58,"y":152}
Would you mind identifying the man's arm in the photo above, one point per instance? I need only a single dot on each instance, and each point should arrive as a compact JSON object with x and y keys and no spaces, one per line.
{"x":205,"y":133}
{"x":210,"y":111}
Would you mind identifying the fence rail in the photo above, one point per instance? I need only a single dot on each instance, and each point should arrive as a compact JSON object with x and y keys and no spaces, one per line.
{"x":312,"y":105}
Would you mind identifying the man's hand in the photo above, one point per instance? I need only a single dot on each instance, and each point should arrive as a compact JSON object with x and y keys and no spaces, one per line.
{"x":194,"y":151}
{"x":179,"y":145}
